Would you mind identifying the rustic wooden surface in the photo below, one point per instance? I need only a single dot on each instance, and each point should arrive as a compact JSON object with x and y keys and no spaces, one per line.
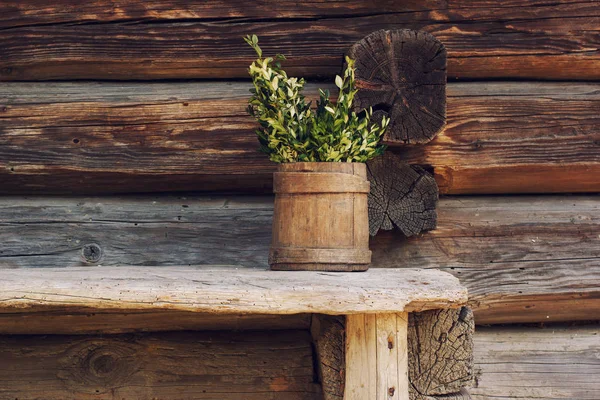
{"x":402,"y":196}
{"x":108,"y":137}
{"x":376,"y":357}
{"x":402,"y":73}
{"x":440,"y":352}
{"x":186,"y":365}
{"x":320,"y":217}
{"x":229,"y":290}
{"x":176,"y":39}
{"x":523,"y":259}
{"x":57,"y":321}
{"x":534,"y":364}
{"x":328,"y":333}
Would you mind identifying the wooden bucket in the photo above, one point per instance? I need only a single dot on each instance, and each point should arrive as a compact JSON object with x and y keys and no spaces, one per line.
{"x":321,"y":220}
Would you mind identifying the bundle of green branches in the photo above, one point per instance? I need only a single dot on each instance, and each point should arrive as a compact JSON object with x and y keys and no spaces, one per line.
{"x":290,"y":131}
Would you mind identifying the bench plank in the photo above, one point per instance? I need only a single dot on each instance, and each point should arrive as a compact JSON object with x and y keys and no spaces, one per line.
{"x":229,"y":290}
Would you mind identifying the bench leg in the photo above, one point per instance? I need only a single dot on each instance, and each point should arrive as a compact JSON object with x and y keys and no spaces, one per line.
{"x":376,"y":357}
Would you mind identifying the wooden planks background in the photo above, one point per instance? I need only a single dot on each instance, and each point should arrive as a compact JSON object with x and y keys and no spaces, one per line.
{"x":176,"y":365}
{"x":181,"y":40}
{"x":523,"y":107}
{"x":132,"y":137}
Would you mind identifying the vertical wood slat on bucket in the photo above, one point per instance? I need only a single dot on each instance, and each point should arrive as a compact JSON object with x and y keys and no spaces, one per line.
{"x":320,"y":217}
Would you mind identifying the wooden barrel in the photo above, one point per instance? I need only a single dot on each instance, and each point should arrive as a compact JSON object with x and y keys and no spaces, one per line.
{"x":320,"y":218}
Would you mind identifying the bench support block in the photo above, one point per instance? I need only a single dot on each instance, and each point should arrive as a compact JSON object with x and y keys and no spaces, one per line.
{"x":376,"y":357}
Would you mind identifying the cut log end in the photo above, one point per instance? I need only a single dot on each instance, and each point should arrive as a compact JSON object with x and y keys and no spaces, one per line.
{"x":440,"y":352}
{"x":403,"y":73}
{"x":401,"y":195}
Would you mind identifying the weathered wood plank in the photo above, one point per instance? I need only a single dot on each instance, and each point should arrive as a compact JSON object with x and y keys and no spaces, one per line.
{"x":229,"y":290}
{"x":107,"y":138}
{"x":532,"y":363}
{"x":57,"y":321}
{"x":376,"y":357}
{"x":523,"y":259}
{"x":185,"y":365}
{"x":176,"y":39}
{"x":516,"y":138}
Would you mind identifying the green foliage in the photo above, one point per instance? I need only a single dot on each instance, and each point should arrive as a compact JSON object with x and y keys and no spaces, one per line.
{"x":291,"y":131}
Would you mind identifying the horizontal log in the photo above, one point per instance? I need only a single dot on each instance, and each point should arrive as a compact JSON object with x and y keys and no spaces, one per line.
{"x":185,"y":365}
{"x":228,"y":290}
{"x":108,"y":138}
{"x":523,"y":259}
{"x":58,"y":321}
{"x":176,"y":39}
{"x":531,"y":363}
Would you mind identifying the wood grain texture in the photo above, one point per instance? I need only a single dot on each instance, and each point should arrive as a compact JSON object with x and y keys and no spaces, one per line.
{"x":109,"y":138}
{"x":376,"y":357}
{"x":229,"y":290}
{"x":402,"y":74}
{"x":320,"y":217}
{"x":402,"y":196}
{"x":516,"y":138}
{"x":186,"y":365}
{"x":57,"y":321}
{"x":328,"y":333}
{"x":523,"y":258}
{"x":176,"y":39}
{"x":440,"y":352}
{"x":531,"y":363}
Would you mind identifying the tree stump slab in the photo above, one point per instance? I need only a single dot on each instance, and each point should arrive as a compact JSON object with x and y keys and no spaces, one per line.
{"x":403,"y":73}
{"x":401,"y":195}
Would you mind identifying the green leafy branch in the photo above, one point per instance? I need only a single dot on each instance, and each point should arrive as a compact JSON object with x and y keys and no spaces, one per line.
{"x":291,"y":131}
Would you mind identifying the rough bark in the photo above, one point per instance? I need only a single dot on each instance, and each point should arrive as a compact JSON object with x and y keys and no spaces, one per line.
{"x":402,"y":196}
{"x":523,"y":258}
{"x":329,"y":341}
{"x":403,"y":73}
{"x":133,"y":137}
{"x":185,"y":365}
{"x":178,"y":39}
{"x":440,"y":352}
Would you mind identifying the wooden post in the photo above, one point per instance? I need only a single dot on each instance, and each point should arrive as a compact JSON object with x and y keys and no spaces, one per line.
{"x":376,"y":357}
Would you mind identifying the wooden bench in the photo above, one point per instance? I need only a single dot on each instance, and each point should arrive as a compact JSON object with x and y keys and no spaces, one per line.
{"x":376,"y":305}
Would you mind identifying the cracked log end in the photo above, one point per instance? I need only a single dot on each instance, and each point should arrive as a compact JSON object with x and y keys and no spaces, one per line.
{"x":440,"y":353}
{"x":403,"y":73}
{"x":401,"y":195}
{"x":329,"y":341}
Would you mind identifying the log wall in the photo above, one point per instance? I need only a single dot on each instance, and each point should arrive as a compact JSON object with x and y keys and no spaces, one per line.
{"x":523,"y":112}
{"x":179,"y":40}
{"x":123,"y":137}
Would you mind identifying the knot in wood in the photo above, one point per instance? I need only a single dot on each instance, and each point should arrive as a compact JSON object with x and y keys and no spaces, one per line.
{"x":98,"y":365}
{"x":91,"y":252}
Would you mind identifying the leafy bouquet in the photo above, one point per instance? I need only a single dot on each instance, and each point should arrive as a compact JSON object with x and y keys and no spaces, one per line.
{"x":290,"y":131}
